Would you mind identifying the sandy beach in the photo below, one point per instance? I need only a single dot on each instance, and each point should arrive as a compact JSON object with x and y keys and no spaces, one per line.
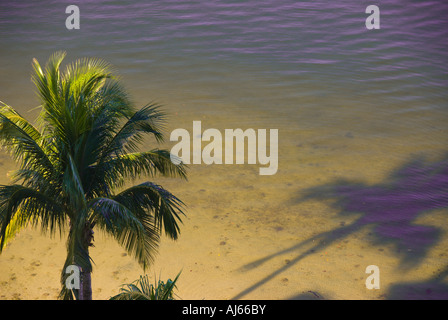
{"x":252,"y":241}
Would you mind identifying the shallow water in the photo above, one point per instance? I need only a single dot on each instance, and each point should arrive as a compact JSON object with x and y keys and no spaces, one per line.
{"x":362,"y":118}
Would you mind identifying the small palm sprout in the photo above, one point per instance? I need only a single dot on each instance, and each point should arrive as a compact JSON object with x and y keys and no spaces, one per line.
{"x":141,"y":289}
{"x":74,"y":164}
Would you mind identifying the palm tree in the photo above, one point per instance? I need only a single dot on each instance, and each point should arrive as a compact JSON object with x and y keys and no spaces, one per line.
{"x":73,"y":166}
{"x":141,"y":289}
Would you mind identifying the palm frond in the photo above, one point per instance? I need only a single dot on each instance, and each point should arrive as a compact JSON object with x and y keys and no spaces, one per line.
{"x":47,"y":82}
{"x":166,"y":207}
{"x":73,"y":186}
{"x":147,"y":120}
{"x":23,"y":141}
{"x":20,"y":205}
{"x":142,"y":289}
{"x":112,"y":174}
{"x":133,"y":230}
{"x":109,"y":105}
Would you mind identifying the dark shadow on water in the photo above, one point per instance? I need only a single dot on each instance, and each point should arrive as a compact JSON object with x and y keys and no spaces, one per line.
{"x":431,"y":289}
{"x":389,"y":208}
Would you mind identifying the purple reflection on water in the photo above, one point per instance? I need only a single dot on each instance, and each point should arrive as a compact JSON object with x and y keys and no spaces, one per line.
{"x":393,"y":207}
{"x":289,"y":25}
{"x":325,"y":40}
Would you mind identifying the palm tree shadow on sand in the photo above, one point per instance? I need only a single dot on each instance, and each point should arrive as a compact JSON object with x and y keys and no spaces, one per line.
{"x":389,"y":208}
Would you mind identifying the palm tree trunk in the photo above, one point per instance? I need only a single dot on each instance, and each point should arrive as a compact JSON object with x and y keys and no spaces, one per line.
{"x":85,"y":288}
